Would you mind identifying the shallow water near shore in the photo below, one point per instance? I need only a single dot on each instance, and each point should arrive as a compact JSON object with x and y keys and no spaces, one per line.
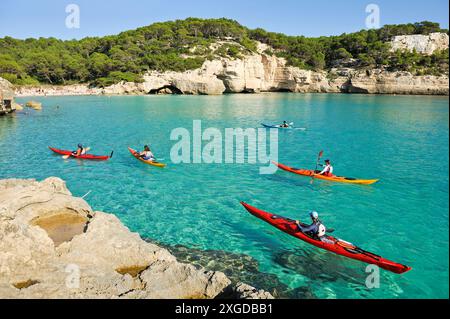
{"x":403,"y":140}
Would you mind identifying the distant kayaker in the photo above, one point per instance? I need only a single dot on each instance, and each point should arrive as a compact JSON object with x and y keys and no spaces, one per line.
{"x":328,"y":169}
{"x":80,"y":150}
{"x":285,"y":124}
{"x":316,"y":229}
{"x":147,"y":154}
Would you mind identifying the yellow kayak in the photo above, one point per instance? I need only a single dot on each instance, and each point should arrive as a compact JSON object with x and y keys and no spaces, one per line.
{"x":338,"y":179}
{"x":152,"y":163}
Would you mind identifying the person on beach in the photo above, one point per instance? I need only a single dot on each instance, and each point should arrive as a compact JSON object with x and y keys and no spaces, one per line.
{"x":316,"y":230}
{"x":328,"y":169}
{"x":147,"y":154}
{"x":80,"y":150}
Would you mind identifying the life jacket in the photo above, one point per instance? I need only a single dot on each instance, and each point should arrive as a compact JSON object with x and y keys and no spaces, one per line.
{"x":321,"y":229}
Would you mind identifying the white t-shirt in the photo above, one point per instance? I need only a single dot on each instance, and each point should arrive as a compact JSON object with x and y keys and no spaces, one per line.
{"x":327,"y":169}
{"x":148,"y":154}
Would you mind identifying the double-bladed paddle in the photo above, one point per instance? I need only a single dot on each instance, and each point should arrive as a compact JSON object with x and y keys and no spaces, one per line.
{"x":317,"y":164}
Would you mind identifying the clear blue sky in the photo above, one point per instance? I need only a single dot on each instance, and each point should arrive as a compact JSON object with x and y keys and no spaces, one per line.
{"x":45,"y":18}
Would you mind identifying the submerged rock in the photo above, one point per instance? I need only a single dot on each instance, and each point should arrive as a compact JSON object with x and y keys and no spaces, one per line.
{"x":244,"y":291}
{"x":238,"y":267}
{"x":52,"y":245}
{"x":34,"y":105}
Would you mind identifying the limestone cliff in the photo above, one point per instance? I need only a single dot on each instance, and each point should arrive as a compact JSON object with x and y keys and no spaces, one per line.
{"x":261,"y":72}
{"x":424,"y":44}
{"x":53,"y":245}
{"x":7,"y":104}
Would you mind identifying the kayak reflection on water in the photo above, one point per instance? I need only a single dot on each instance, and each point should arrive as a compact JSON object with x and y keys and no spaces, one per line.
{"x":316,"y":230}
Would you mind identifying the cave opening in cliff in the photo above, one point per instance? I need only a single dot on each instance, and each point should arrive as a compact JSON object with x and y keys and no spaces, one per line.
{"x":283,"y":90}
{"x":167,"y":89}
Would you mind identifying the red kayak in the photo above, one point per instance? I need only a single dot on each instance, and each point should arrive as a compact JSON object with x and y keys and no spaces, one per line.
{"x":85,"y":156}
{"x":336,"y":245}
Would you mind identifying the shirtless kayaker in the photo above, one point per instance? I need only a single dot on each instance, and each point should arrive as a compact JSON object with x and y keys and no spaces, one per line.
{"x":80,"y":150}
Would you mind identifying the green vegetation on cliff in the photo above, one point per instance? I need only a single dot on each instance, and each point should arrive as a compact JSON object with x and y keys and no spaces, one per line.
{"x":185,"y":44}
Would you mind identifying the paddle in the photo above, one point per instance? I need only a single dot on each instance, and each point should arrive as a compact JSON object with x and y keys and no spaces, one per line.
{"x":71,"y":154}
{"x":317,"y":164}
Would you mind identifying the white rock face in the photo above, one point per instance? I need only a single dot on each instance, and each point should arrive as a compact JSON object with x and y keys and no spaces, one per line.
{"x":6,"y":93}
{"x":259,"y":72}
{"x":53,"y":245}
{"x":379,"y":82}
{"x":5,"y":85}
{"x":424,"y":44}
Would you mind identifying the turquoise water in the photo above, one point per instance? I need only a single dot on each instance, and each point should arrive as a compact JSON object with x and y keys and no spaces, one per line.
{"x":402,"y":140}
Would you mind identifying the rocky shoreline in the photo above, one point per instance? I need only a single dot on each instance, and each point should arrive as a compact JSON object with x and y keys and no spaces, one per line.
{"x":262,"y":72}
{"x":53,"y":245}
{"x":294,"y":80}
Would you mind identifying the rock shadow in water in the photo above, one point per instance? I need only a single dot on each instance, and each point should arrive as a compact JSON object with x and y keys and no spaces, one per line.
{"x":237,"y":267}
{"x":317,"y":267}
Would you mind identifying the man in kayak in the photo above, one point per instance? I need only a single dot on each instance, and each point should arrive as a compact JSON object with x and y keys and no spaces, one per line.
{"x":285,"y":124}
{"x":328,"y":169}
{"x":80,"y":150}
{"x":317,"y":230}
{"x":147,"y":154}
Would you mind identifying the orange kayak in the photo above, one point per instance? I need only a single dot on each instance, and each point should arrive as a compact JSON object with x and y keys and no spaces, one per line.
{"x":338,"y":179}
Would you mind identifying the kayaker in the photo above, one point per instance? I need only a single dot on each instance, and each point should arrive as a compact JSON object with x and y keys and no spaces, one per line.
{"x":328,"y":169}
{"x":80,"y":150}
{"x":316,"y":229}
{"x":285,"y":124}
{"x":147,"y":154}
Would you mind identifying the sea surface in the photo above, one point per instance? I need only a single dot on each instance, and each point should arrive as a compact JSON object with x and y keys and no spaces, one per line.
{"x":402,"y":140}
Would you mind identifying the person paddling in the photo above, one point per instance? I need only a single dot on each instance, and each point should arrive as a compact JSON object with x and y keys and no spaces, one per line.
{"x":317,"y":230}
{"x":80,"y":150}
{"x":147,"y":154}
{"x":328,"y":169}
{"x":285,"y":124}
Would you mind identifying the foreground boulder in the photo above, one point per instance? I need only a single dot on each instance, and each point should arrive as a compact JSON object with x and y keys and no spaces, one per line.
{"x":53,"y":245}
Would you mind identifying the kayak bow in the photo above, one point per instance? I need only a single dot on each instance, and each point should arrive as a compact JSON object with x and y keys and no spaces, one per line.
{"x":152,"y":163}
{"x":338,"y":179}
{"x":84,"y":156}
{"x":336,"y":245}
